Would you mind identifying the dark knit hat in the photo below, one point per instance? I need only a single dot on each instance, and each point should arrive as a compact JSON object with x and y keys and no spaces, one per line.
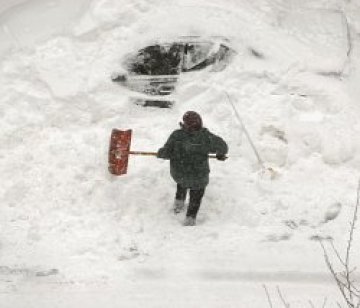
{"x":192,"y":121}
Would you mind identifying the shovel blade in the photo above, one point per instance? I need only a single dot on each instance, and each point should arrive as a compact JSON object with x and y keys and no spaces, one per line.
{"x":119,"y":148}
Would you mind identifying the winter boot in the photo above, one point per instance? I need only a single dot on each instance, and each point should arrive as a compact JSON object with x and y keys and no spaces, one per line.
{"x":189,"y":221}
{"x":179,"y":206}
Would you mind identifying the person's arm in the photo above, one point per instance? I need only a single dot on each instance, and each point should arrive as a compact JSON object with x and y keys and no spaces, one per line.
{"x":218,"y":146}
{"x":166,"y":151}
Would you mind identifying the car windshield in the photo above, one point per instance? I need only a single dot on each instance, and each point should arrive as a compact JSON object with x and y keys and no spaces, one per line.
{"x":195,"y":54}
{"x":176,"y":57}
{"x":156,"y":60}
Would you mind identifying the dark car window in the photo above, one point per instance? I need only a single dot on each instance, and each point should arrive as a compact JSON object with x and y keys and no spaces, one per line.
{"x":157,"y":60}
{"x":174,"y":58}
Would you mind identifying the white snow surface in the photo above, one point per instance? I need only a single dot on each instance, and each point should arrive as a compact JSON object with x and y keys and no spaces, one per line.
{"x":72,"y":235}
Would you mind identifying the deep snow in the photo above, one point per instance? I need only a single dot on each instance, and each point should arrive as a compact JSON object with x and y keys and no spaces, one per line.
{"x":71,"y":234}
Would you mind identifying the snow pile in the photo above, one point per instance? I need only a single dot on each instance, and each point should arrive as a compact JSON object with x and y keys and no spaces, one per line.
{"x":60,"y":209}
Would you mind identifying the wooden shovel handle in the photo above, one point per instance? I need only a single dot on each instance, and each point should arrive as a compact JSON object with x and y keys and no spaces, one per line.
{"x":143,"y":153}
{"x":155,"y":153}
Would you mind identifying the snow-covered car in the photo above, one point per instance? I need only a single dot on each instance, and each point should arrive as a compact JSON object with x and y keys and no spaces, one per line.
{"x":155,"y":69}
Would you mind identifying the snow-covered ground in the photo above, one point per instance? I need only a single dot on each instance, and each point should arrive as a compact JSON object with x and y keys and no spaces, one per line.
{"x":71,"y":235}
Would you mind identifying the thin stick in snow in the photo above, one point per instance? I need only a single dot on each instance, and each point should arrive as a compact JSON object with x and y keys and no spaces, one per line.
{"x":332,"y":271}
{"x":287,"y":305}
{"x":336,"y":251}
{"x":268,"y":296}
{"x":348,"y":249}
{"x":344,"y":279}
{"x":260,"y":161}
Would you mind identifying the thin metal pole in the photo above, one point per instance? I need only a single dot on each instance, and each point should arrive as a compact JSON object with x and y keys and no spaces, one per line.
{"x":245,"y":131}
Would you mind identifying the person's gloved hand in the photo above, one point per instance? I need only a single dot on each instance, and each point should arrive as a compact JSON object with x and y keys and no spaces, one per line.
{"x":221,"y":157}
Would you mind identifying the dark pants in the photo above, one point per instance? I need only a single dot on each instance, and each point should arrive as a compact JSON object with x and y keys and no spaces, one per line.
{"x":195,"y":199}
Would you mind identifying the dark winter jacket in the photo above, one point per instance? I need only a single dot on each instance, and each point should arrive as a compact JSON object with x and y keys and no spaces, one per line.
{"x":188,"y":154}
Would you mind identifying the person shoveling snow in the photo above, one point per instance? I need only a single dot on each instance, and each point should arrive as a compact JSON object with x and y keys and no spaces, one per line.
{"x":188,"y":149}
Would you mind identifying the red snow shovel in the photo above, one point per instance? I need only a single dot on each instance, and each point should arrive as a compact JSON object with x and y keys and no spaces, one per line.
{"x":119,"y":151}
